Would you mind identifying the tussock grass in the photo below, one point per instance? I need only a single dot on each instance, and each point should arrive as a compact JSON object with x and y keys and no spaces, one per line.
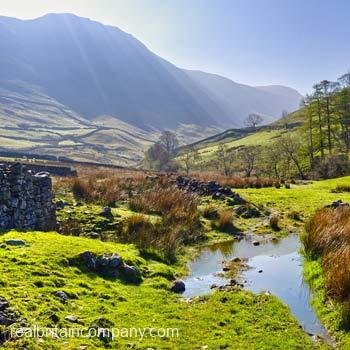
{"x":341,"y":188}
{"x":178,"y":224}
{"x":210,"y":212}
{"x":327,"y":237}
{"x":225,"y":221}
{"x":235,"y":181}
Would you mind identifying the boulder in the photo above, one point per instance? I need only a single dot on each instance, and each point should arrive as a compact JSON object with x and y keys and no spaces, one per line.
{"x":178,"y":286}
{"x":130,"y":273}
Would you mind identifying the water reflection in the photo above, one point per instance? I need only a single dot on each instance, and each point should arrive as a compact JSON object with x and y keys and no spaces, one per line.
{"x":282,"y":274}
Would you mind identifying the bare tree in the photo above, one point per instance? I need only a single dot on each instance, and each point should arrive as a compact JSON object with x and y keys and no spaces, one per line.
{"x":284,"y":118}
{"x":248,"y":156}
{"x":169,"y":141}
{"x":223,"y":157}
{"x":253,"y":120}
{"x":290,"y":145}
{"x":190,"y":158}
{"x":157,"y":157}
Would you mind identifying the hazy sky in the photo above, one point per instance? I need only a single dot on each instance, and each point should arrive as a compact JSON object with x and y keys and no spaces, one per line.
{"x":290,"y":42}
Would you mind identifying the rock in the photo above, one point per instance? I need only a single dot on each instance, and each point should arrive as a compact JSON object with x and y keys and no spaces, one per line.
{"x":178,"y":286}
{"x":62,"y":295}
{"x":260,"y":271}
{"x":4,"y":304}
{"x":107,"y":213}
{"x":130,"y":273}
{"x":115,"y":261}
{"x":213,"y":286}
{"x":236,"y":259}
{"x":5,"y":321}
{"x":15,"y":242}
{"x":256,"y":243}
{"x":71,"y":318}
{"x":94,"y":235}
{"x":89,"y":260}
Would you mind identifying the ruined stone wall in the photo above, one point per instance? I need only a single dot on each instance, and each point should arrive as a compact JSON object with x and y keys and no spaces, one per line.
{"x":25,"y":199}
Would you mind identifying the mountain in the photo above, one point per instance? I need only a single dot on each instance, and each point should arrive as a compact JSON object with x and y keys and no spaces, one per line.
{"x":61,"y":72}
{"x":96,"y":70}
{"x":238,"y":100}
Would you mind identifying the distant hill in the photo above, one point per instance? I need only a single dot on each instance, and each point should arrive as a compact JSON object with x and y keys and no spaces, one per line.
{"x":100,"y":70}
{"x":61,"y":71}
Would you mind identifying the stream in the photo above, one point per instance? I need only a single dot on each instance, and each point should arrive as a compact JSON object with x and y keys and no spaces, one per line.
{"x":282,"y":274}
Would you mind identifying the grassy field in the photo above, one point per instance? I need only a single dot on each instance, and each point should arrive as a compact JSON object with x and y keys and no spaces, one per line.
{"x":30,"y":276}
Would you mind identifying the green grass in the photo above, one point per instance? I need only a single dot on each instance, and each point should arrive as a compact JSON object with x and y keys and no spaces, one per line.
{"x":327,"y":310}
{"x":305,"y":199}
{"x":239,"y":320}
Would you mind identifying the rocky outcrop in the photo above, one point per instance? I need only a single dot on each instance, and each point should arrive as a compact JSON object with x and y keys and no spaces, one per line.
{"x":25,"y":199}
{"x":210,"y":188}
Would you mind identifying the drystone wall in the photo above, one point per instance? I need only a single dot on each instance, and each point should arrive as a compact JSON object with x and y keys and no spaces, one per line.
{"x":25,"y":199}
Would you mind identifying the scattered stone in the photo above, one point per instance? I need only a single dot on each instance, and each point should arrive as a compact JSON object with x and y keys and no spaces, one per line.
{"x":337,"y":204}
{"x":247,"y":212}
{"x":62,"y":295}
{"x":178,"y":286}
{"x":210,"y":188}
{"x":71,"y":318}
{"x":94,"y":235}
{"x":15,"y":242}
{"x":107,"y":213}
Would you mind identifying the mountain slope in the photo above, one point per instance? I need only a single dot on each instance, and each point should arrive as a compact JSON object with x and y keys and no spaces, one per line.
{"x":238,"y":100}
{"x":97,"y":70}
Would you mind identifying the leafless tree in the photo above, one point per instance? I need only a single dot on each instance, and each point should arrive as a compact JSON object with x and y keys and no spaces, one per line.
{"x":253,"y":120}
{"x":169,"y":141}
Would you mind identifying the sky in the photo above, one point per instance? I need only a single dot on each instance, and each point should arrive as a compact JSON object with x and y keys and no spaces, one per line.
{"x":256,"y":42}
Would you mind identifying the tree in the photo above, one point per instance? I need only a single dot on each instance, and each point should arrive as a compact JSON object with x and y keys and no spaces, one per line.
{"x":248,"y":156}
{"x":157,"y":157}
{"x":284,"y":118}
{"x":223,"y":157}
{"x":253,"y":120}
{"x":169,"y":141}
{"x":290,"y":145}
{"x":190,"y":158}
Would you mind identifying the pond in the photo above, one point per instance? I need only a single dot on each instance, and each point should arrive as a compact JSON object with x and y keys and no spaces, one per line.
{"x":275,"y":267}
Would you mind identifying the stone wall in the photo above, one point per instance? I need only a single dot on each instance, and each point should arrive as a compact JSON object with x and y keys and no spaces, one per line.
{"x":25,"y":199}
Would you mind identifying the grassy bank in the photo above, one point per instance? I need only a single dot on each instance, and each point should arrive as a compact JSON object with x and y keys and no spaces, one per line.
{"x":30,"y":275}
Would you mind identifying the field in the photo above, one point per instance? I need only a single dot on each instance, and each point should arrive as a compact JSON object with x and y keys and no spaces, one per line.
{"x":141,"y":206}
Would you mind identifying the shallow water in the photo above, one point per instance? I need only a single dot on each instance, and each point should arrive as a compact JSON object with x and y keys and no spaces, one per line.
{"x":282,"y":274}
